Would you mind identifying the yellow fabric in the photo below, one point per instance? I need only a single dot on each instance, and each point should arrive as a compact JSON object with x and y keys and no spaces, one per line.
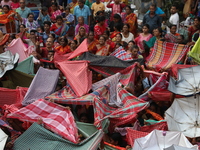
{"x":97,"y":7}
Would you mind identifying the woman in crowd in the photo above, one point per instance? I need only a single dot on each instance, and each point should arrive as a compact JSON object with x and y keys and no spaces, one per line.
{"x":102,"y":48}
{"x":126,"y":34}
{"x":81,"y":24}
{"x":130,"y":18}
{"x":73,"y":45}
{"x":81,"y":35}
{"x":29,"y":22}
{"x":8,"y":14}
{"x":63,"y":48}
{"x":144,"y":36}
{"x":116,"y":19}
{"x":59,"y":28}
{"x":100,"y":27}
{"x":117,"y":29}
{"x":23,"y":34}
{"x":172,"y":36}
{"x":194,"y":28}
{"x":92,"y":42}
{"x":55,"y":11}
{"x":119,"y":40}
{"x":130,"y":45}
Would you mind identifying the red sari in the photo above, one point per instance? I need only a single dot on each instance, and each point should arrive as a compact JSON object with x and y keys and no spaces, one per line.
{"x":9,"y":22}
{"x":99,"y":30}
{"x":62,"y":50}
{"x":92,"y":46}
{"x":103,"y":51}
{"x":113,"y":35}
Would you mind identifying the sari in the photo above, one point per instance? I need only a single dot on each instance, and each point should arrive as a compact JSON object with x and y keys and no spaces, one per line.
{"x":113,"y":35}
{"x":54,"y":14}
{"x":62,"y":50}
{"x":172,"y":38}
{"x":72,"y":6}
{"x":60,"y":31}
{"x":103,"y":51}
{"x":92,"y":45}
{"x":9,"y":22}
{"x":131,"y":19}
{"x":99,"y":30}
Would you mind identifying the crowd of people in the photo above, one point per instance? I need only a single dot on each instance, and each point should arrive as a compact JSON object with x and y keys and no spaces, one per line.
{"x":61,"y":27}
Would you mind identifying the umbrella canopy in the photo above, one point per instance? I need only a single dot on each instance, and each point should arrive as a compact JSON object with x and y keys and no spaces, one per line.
{"x":188,"y":82}
{"x":184,"y":116}
{"x":158,"y":140}
{"x":176,"y":147}
{"x":3,"y":139}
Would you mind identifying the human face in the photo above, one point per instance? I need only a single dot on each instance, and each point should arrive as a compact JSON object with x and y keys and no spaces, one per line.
{"x":134,"y":52}
{"x":156,"y":33}
{"x":21,"y":28}
{"x":54,"y":8}
{"x":73,"y":45}
{"x":118,"y":38}
{"x":101,"y":41}
{"x":80,"y":4}
{"x":45,"y":13}
{"x":105,"y":35}
{"x":67,"y":11}
{"x":117,"y":1}
{"x":145,"y":29}
{"x":125,"y":28}
{"x":22,"y":3}
{"x":196,"y":22}
{"x":130,"y":44}
{"x":91,"y":36}
{"x":49,"y":43}
{"x":152,"y":9}
{"x":50,"y":54}
{"x":59,"y":21}
{"x":173,"y":10}
{"x":173,"y":29}
{"x":32,"y":35}
{"x":128,"y":11}
{"x":115,"y":20}
{"x":82,"y":32}
{"x":46,"y":27}
{"x":5,"y":10}
{"x":30,"y":18}
{"x":80,"y":20}
{"x":179,"y":40}
{"x":62,"y":42}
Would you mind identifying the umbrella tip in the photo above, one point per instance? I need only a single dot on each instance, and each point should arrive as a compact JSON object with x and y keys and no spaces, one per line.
{"x":164,"y":133}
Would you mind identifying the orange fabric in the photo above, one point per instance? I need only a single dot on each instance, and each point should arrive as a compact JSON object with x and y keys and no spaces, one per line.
{"x":62,"y":50}
{"x":103,"y":51}
{"x":116,"y":147}
{"x":4,"y":17}
{"x":131,"y":19}
{"x":155,"y":115}
{"x":114,"y":34}
{"x":92,"y":45}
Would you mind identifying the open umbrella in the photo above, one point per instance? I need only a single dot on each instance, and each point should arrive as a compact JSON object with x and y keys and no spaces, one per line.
{"x":158,"y":140}
{"x":3,"y":139}
{"x":176,"y":147}
{"x":188,"y":82}
{"x":184,"y":116}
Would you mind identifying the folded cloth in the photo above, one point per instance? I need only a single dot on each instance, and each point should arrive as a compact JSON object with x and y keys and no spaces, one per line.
{"x":7,"y":61}
{"x":43,"y":84}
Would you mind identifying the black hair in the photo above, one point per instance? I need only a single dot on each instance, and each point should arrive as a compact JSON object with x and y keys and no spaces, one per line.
{"x":146,"y":25}
{"x":51,"y":51}
{"x":159,"y":29}
{"x":44,"y":9}
{"x":117,"y":26}
{"x":107,"y":32}
{"x":174,"y":6}
{"x":103,"y":37}
{"x":154,"y":5}
{"x":132,"y":42}
{"x":91,"y":32}
{"x":182,"y":36}
{"x":119,"y":44}
{"x":41,"y":27}
{"x":116,"y":137}
{"x":54,"y":3}
{"x":22,"y":25}
{"x":128,"y":7}
{"x":81,"y":1}
{"x":120,"y":35}
{"x":67,"y":8}
{"x":198,"y":18}
{"x":54,"y":36}
{"x":99,"y":12}
{"x":135,"y":47}
{"x":117,"y":16}
{"x":100,"y":19}
{"x":59,"y":17}
{"x":33,"y":31}
{"x":8,"y":7}
{"x":48,"y":23}
{"x":30,"y":14}
{"x":126,"y":24}
{"x":65,"y":39}
{"x":172,"y":25}
{"x":75,"y":41}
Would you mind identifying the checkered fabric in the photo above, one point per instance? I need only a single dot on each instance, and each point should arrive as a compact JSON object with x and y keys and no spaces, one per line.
{"x":121,"y":54}
{"x":134,"y":134}
{"x":38,"y":138}
{"x":118,"y":116}
{"x":164,"y":54}
{"x":56,"y":118}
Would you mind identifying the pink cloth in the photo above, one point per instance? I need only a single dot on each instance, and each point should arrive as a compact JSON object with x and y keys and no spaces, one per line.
{"x":55,"y":117}
{"x":139,"y":40}
{"x":17,"y":46}
{"x":5,"y":3}
{"x":78,"y":75}
{"x":78,"y":26}
{"x":14,"y":5}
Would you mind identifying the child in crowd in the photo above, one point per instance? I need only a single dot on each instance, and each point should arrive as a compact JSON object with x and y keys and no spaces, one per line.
{"x":43,"y":16}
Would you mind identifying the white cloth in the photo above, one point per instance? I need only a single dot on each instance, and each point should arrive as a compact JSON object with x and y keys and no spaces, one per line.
{"x":129,"y":38}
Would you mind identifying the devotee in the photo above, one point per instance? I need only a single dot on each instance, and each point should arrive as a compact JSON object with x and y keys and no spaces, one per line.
{"x":173,"y":35}
{"x":23,"y":11}
{"x":126,"y":34}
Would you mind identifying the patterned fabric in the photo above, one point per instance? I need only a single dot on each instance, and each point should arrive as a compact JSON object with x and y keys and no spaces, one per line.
{"x":121,"y":54}
{"x":109,"y":146}
{"x":103,"y":51}
{"x":155,"y":115}
{"x":56,"y":118}
{"x":111,"y":82}
{"x":38,"y":88}
{"x":164,"y":54}
{"x":194,"y":53}
{"x":118,"y":116}
{"x":78,"y":76}
{"x":30,"y":25}
{"x":134,"y":134}
{"x":157,"y":126}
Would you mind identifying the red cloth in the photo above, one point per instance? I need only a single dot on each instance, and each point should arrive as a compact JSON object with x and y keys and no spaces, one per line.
{"x":78,"y":75}
{"x":56,"y":118}
{"x":134,"y":134}
{"x":98,"y":30}
{"x":158,"y":126}
{"x":176,"y":67}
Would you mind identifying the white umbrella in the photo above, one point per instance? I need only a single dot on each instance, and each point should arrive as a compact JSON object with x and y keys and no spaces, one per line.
{"x":184,"y":116}
{"x":188,"y":82}
{"x":176,"y":147}
{"x":158,"y":140}
{"x":3,"y":138}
